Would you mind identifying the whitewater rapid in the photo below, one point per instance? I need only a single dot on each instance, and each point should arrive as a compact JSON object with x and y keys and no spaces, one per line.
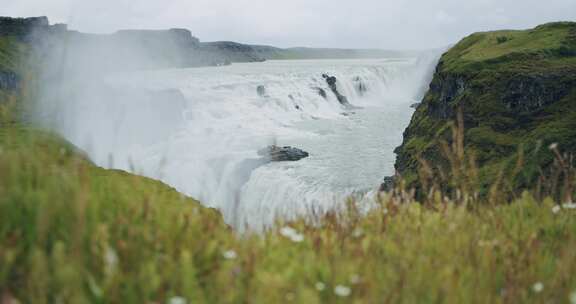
{"x":199,"y":131}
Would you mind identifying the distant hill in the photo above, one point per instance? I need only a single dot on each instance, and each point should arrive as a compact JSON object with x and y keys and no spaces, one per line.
{"x":238,"y":52}
{"x":134,"y":49}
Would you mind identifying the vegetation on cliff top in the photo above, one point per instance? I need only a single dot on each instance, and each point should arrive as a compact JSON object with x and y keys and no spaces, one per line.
{"x":517,"y":94}
{"x":74,"y":233}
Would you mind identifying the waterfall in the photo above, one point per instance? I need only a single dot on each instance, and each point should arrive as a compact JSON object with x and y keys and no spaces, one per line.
{"x":199,"y":130}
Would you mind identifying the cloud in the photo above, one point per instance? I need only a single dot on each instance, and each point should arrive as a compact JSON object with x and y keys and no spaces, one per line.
{"x":397,"y":24}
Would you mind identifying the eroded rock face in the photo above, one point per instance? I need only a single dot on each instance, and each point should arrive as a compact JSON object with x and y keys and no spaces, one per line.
{"x":277,"y":154}
{"x":446,"y":89}
{"x":21,"y":27}
{"x":518,"y":99}
{"x":527,"y":93}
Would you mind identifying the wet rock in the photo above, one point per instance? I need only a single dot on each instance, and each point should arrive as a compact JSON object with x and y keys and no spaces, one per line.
{"x":277,"y":154}
{"x":321,"y":92}
{"x":261,"y":90}
{"x":360,"y":86}
{"x":415,"y":105}
{"x":331,"y":81}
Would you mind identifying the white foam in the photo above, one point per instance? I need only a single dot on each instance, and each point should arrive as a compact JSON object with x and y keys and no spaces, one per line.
{"x":204,"y":141}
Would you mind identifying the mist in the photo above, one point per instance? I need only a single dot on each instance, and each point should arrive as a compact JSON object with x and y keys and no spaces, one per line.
{"x":155,"y":103}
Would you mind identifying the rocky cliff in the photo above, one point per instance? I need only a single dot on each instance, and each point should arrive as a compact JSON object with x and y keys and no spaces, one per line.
{"x":516,"y":91}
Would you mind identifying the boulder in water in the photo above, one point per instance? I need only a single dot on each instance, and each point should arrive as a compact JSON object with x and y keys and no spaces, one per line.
{"x":261,"y":90}
{"x":278,"y":154}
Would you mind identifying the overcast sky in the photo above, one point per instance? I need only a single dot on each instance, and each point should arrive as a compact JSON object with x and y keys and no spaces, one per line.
{"x":392,"y":24}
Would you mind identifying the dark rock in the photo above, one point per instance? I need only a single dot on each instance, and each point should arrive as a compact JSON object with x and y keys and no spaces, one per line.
{"x":261,"y":90}
{"x":360,"y":86}
{"x":388,"y":184}
{"x":331,"y":81}
{"x":21,"y":27}
{"x":321,"y":92}
{"x":415,"y":105}
{"x":533,"y":92}
{"x":278,"y":154}
{"x":447,"y":89}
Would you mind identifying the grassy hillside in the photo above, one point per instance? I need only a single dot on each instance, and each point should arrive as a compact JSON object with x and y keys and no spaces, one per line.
{"x":516,"y":91}
{"x":71,"y":232}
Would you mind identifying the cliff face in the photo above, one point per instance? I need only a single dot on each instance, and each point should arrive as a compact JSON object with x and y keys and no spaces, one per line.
{"x":515,"y":89}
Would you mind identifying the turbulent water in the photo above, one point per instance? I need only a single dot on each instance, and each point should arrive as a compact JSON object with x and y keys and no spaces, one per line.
{"x":199,"y":130}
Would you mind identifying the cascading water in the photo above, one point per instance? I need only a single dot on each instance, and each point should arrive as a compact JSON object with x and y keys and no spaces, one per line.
{"x":199,"y":130}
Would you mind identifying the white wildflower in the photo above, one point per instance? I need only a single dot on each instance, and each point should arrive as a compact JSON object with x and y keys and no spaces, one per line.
{"x":573,"y":297}
{"x":354,"y":279}
{"x":569,"y":206}
{"x":538,"y":287}
{"x":177,"y":300}
{"x":110,"y":260}
{"x":358,"y":232}
{"x":230,"y":254}
{"x":342,"y":291}
{"x":290,"y":297}
{"x":292,"y":234}
{"x":553,"y":146}
{"x":320,"y":286}
{"x":556,"y":209}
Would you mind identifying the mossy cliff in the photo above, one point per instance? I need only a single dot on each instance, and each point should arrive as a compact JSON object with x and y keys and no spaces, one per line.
{"x":516,"y":91}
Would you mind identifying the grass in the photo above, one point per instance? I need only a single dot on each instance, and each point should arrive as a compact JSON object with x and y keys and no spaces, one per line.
{"x":541,"y":42}
{"x":10,"y":52}
{"x":74,"y":233}
{"x":71,"y":232}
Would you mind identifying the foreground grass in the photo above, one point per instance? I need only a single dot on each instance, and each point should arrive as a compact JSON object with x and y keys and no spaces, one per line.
{"x":74,"y":233}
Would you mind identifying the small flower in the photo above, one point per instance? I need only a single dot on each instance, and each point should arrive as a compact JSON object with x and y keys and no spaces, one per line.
{"x":177,"y":300}
{"x":538,"y":287}
{"x":553,"y":146}
{"x":290,"y":297}
{"x":342,"y":291}
{"x":230,"y":254}
{"x":556,"y":209}
{"x":320,"y":286}
{"x":354,"y":279}
{"x":358,"y":232}
{"x":292,"y":234}
{"x":111,"y":260}
{"x":573,"y":297}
